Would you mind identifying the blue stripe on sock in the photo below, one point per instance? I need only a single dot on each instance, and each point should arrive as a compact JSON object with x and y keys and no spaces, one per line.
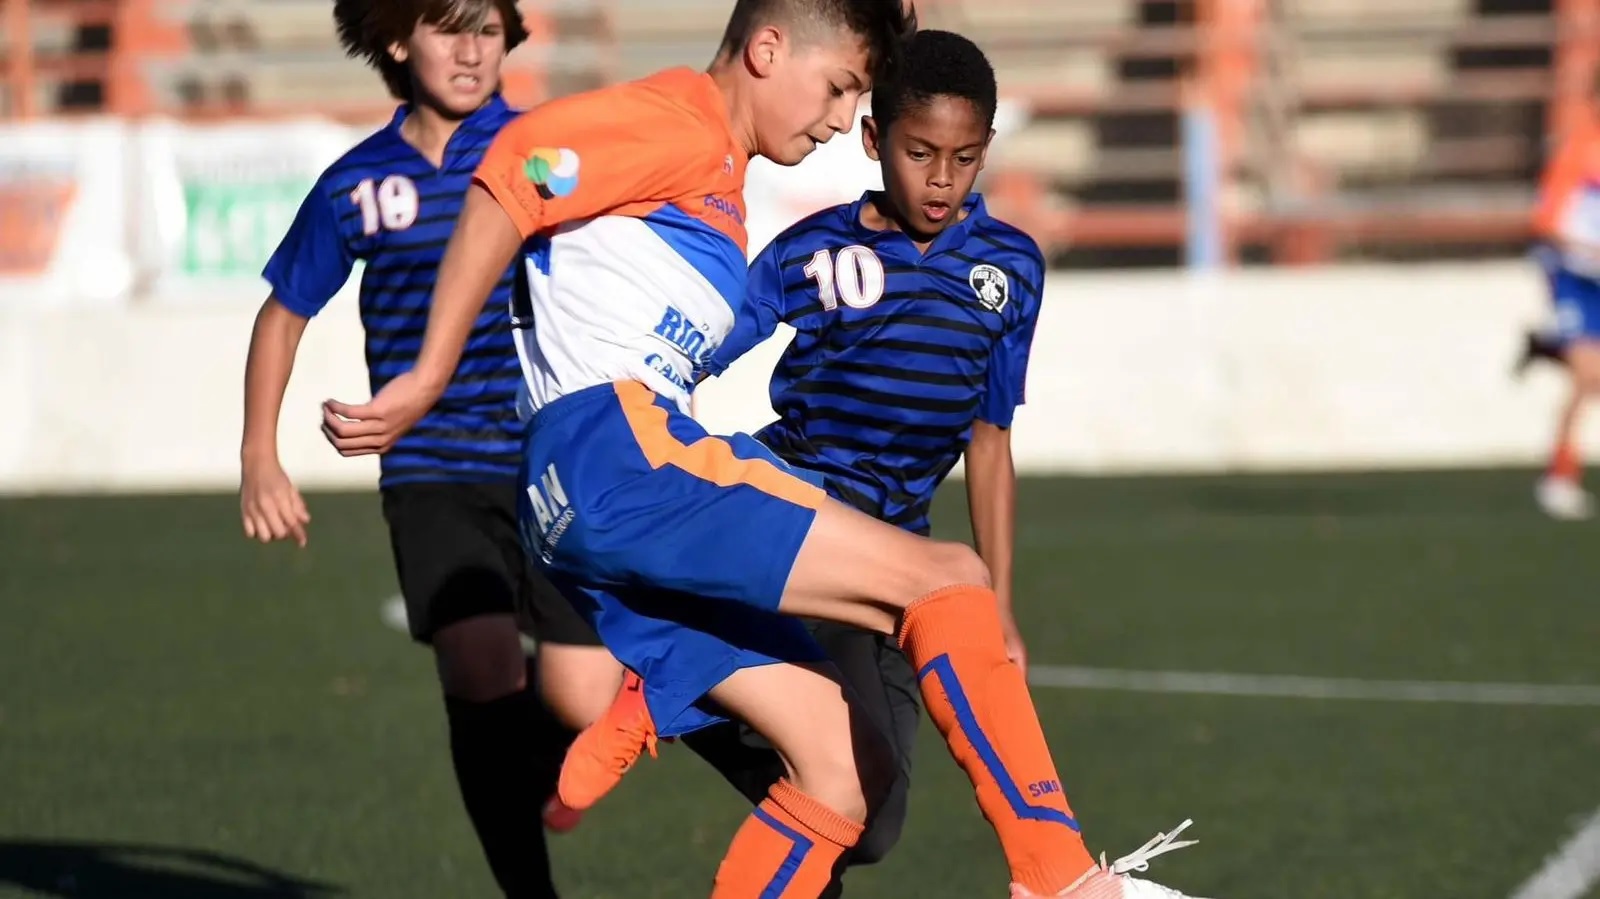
{"x":968,"y":722}
{"x":791,"y":862}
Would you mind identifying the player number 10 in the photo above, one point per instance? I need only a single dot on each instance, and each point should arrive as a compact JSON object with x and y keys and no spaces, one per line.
{"x":854,"y":276}
{"x":391,"y":205}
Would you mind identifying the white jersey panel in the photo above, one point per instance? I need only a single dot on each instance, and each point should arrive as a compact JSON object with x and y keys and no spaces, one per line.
{"x":618,"y":303}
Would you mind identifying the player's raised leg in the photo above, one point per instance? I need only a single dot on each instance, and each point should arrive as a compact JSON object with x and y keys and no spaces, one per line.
{"x":802,"y":554}
{"x":935,"y":596}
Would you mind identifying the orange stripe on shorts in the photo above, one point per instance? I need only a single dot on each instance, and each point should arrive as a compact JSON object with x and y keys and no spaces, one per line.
{"x":709,"y":458}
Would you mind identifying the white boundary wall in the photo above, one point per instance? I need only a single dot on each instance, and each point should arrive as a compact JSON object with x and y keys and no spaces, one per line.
{"x":1335,"y":368}
{"x":129,"y":281}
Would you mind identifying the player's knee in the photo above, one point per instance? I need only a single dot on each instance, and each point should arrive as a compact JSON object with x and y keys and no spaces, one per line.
{"x":480,"y":659}
{"x":954,"y":563}
{"x":851,"y":775}
{"x":838,"y":786}
{"x":578,"y":683}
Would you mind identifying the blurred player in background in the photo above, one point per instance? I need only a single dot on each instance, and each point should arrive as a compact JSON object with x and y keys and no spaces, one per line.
{"x":915,"y":313}
{"x":450,"y":486}
{"x":1568,"y":219}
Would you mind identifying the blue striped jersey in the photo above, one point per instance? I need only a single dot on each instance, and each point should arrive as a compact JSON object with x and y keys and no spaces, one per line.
{"x":384,"y":204}
{"x":896,"y":352}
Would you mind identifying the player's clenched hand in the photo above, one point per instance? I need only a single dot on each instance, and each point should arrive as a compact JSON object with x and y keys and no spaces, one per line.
{"x":271,"y":505}
{"x":375,"y":426}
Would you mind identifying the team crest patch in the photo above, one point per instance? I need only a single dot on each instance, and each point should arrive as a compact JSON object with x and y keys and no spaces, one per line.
{"x":991,"y":286}
{"x":553,"y":170}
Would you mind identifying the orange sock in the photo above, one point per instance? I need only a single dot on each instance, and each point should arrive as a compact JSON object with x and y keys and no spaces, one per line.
{"x":786,"y":849}
{"x":1565,"y":464}
{"x":979,"y":701}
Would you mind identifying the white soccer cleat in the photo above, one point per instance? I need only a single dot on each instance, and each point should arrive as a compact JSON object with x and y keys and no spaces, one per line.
{"x":1112,"y":881}
{"x":1564,"y":499}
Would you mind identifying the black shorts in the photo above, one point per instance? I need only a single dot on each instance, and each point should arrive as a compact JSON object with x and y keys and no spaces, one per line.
{"x":886,"y":686}
{"x":457,"y":555}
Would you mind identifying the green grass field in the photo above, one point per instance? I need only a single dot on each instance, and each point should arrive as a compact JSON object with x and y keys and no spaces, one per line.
{"x":185,"y":714}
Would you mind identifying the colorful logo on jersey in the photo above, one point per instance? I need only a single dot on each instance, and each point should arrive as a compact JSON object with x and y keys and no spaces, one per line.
{"x":991,"y":286}
{"x":554,"y":171}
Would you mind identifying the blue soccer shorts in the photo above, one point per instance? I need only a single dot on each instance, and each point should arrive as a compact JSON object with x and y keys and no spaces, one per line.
{"x":1577,"y":306}
{"x":674,"y":544}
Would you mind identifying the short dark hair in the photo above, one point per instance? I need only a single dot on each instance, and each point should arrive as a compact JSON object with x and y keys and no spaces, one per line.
{"x":883,"y":24}
{"x":936,"y":64}
{"x":367,"y":28}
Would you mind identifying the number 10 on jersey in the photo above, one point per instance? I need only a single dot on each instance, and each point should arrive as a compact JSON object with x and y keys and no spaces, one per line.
{"x":855,"y":276}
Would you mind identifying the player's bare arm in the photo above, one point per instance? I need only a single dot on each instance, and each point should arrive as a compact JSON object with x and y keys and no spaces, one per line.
{"x":269,"y":503}
{"x":992,"y":503}
{"x":484,"y":243}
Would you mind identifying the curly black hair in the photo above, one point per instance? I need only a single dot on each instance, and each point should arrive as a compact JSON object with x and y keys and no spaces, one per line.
{"x":367,"y":28}
{"x":936,"y":64}
{"x":885,"y":25}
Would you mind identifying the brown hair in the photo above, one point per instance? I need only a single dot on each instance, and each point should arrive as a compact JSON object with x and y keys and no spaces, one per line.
{"x":368,"y":28}
{"x":883,"y":25}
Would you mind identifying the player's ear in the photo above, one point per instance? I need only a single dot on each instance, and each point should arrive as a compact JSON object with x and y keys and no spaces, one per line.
{"x":869,"y":138}
{"x":398,"y":51}
{"x":761,"y":51}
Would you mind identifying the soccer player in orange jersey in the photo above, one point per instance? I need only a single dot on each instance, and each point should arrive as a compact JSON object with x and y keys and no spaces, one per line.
{"x":696,"y":555}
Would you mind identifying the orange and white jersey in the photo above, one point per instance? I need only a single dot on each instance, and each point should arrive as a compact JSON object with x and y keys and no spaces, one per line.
{"x":633,"y":197}
{"x":1569,"y":201}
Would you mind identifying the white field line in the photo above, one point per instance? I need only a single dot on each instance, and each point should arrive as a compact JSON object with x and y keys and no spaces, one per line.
{"x":1571,"y":870}
{"x":1278,"y":686}
{"x":1288,"y":686}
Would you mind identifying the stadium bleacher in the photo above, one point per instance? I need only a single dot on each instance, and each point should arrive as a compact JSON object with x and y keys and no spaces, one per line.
{"x":1347,"y":128}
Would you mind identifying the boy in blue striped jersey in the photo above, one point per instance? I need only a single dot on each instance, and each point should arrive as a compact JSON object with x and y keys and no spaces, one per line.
{"x":449,"y":488}
{"x":914,"y":311}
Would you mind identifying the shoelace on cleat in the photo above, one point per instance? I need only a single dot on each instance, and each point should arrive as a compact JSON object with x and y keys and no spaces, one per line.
{"x":639,"y":732}
{"x":1139,"y":860}
{"x":1160,"y":844}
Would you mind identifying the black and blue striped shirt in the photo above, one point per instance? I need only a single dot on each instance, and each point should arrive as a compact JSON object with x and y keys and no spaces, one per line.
{"x":384,"y":204}
{"x":896,"y":353}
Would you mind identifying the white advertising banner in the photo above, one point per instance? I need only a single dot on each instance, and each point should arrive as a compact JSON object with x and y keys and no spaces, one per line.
{"x":213,"y":201}
{"x":63,"y":225}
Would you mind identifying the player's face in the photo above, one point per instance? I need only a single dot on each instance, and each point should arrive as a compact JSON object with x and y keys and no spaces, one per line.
{"x":809,"y":92}
{"x":930,"y":157}
{"x":455,"y":72}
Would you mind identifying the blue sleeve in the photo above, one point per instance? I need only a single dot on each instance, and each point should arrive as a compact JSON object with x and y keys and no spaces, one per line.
{"x":1005,"y":388}
{"x":313,"y":261}
{"x":759,"y":314}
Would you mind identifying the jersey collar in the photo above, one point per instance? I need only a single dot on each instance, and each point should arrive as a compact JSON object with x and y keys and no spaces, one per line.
{"x":490,"y":116}
{"x":955,"y":235}
{"x":490,"y":111}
